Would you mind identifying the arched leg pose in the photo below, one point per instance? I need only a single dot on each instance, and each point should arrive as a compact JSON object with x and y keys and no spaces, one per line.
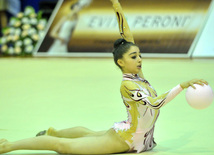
{"x":106,"y":143}
{"x":141,"y":101}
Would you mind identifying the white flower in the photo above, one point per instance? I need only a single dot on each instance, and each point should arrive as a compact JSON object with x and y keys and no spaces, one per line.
{"x":9,"y":38}
{"x":27,"y":41}
{"x":32,"y":31}
{"x":15,"y":37}
{"x":4,"y":48}
{"x":28,"y":10}
{"x":3,"y":40}
{"x":33,"y":15}
{"x":11,"y":50}
{"x":25,"y":20}
{"x":17,"y":50}
{"x":33,"y":21}
{"x":17,"y":23}
{"x":29,"y":49}
{"x":12,"y":30}
{"x":35,"y":37}
{"x":20,"y":15}
{"x":24,"y":33}
{"x":26,"y":27}
{"x":40,"y":26}
{"x":43,"y":21}
{"x":18,"y":43}
{"x":18,"y":31}
{"x":12,"y":21}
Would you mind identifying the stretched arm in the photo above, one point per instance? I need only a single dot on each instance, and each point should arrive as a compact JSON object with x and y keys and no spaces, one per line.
{"x":160,"y":101}
{"x":123,"y":25}
{"x":168,"y":96}
{"x":130,"y":92}
{"x":142,"y":97}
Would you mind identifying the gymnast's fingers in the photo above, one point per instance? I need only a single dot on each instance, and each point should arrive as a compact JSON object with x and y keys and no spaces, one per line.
{"x":204,"y":81}
{"x":191,"y":84}
{"x":200,"y":83}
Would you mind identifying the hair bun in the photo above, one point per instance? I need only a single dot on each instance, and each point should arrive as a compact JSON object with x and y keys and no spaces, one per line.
{"x":119,"y":42}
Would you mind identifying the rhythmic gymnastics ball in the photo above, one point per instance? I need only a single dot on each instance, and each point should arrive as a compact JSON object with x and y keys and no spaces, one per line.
{"x":201,"y":97}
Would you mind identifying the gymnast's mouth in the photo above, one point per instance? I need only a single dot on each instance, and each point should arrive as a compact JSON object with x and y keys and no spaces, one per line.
{"x":139,"y":66}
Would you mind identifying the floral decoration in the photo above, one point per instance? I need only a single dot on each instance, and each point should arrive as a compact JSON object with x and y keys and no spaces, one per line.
{"x":22,"y":33}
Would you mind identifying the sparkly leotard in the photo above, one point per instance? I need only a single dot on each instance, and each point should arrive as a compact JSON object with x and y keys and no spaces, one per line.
{"x":143,"y":106}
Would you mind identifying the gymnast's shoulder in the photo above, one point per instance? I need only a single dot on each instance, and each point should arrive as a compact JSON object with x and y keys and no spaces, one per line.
{"x":126,"y":84}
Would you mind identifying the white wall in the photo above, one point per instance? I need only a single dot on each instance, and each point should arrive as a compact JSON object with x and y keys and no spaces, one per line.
{"x":205,"y":45}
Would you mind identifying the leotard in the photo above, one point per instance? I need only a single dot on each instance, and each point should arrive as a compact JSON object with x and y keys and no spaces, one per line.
{"x":142,"y":104}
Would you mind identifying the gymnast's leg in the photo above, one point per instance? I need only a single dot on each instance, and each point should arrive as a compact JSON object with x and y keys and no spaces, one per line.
{"x":74,"y":132}
{"x":35,"y":143}
{"x":110,"y":142}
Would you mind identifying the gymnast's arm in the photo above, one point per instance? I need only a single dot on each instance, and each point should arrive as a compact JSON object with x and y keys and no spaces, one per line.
{"x":129,"y":91}
{"x":160,"y":101}
{"x":165,"y":98}
{"x":123,"y":25}
{"x":131,"y":94}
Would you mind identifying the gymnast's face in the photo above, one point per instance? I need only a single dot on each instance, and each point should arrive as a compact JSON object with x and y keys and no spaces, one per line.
{"x":131,"y":61}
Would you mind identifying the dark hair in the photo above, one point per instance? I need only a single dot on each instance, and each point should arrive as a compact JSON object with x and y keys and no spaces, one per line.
{"x":121,"y":46}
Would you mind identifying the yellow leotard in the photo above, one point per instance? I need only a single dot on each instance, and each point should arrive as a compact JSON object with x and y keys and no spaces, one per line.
{"x":143,"y":106}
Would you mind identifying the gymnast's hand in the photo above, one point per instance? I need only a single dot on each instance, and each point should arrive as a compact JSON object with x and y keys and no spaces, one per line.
{"x":114,"y":1}
{"x":191,"y":82}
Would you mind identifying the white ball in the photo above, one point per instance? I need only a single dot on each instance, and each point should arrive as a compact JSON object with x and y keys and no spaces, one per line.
{"x":201,"y":97}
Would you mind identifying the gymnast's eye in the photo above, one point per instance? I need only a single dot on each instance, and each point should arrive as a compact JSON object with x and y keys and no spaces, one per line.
{"x":140,"y":56}
{"x":133,"y":57}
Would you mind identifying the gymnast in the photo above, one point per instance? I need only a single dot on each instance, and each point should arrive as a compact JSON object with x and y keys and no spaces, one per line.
{"x":141,"y":100}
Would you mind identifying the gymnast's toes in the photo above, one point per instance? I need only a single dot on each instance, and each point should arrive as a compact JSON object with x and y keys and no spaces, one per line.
{"x":2,"y":141}
{"x":4,"y":146}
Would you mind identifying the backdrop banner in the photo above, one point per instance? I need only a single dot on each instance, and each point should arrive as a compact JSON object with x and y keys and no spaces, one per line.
{"x":204,"y":47}
{"x":165,"y":27}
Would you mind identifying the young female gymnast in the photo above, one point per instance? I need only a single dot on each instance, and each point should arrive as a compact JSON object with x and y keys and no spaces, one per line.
{"x":140,"y":99}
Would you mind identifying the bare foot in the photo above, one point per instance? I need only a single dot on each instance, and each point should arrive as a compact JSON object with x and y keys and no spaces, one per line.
{"x":5,"y":146}
{"x":2,"y":140}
